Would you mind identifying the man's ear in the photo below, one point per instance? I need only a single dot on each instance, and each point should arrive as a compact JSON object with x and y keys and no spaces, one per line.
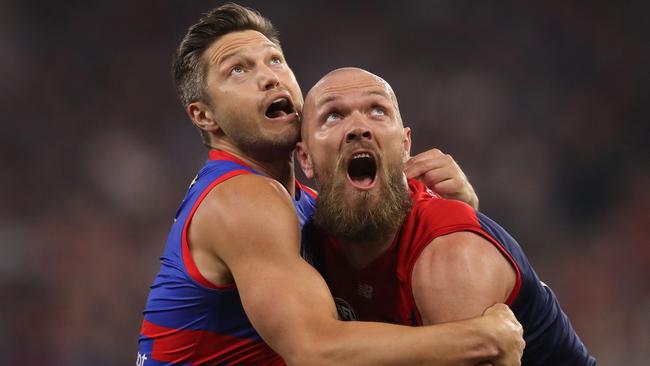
{"x":202,"y":117}
{"x":304,"y":159}
{"x":407,"y":143}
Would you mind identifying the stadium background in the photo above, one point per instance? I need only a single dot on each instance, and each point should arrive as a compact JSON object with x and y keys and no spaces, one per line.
{"x":543,"y":104}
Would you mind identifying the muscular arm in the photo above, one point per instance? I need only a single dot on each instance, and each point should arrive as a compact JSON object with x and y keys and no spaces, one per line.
{"x":458,"y":276}
{"x":249,"y":223}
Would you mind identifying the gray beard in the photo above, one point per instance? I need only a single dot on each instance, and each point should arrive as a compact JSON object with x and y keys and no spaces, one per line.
{"x":356,"y":221}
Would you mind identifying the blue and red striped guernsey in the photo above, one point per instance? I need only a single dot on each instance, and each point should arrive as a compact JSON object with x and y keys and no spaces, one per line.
{"x":187,"y":319}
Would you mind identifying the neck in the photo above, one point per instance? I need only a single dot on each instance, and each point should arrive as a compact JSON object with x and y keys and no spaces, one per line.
{"x":361,"y":254}
{"x":277,"y":165}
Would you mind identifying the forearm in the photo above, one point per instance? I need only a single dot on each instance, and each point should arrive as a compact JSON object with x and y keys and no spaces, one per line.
{"x":365,"y":343}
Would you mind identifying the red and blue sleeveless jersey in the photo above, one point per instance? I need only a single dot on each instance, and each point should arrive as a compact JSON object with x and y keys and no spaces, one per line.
{"x":187,"y":319}
{"x":382,"y":290}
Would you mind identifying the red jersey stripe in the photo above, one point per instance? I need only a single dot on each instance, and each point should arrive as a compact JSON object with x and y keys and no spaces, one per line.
{"x":197,"y":347}
{"x":191,"y":267}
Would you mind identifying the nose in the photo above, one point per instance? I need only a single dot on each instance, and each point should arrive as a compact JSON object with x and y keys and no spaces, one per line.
{"x":267,"y":79}
{"x":358,"y":133}
{"x":358,"y":128}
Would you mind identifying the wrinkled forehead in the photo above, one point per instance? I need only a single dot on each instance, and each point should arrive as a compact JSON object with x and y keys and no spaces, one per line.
{"x":345,"y":83}
{"x":340,"y":85}
{"x":235,"y":42}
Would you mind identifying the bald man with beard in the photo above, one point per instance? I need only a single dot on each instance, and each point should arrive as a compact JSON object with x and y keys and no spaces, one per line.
{"x":395,"y":251}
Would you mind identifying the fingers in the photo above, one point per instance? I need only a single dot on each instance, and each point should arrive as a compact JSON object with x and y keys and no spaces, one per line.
{"x":511,"y":333}
{"x":432,"y":177}
{"x":447,"y":183}
{"x":506,"y":314}
{"x":433,"y":167}
{"x":448,"y":187}
{"x":426,"y":161}
{"x":441,"y":173}
{"x":503,"y":312}
{"x":431,"y":172}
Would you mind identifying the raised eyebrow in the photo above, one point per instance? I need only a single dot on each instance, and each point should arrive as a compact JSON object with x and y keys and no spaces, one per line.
{"x":321,"y":109}
{"x":235,"y":53}
{"x":276,"y":48}
{"x":224,"y":63}
{"x":326,"y":100}
{"x":322,"y":103}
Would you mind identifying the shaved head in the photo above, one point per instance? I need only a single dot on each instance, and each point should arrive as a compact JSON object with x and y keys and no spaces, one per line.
{"x":351,"y":73}
{"x":337,"y":83}
{"x":354,"y":145}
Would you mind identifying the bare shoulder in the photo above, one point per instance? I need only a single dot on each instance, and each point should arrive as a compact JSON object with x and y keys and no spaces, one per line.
{"x":248,"y":187}
{"x":464,"y":254}
{"x":244,"y":212}
{"x":247,"y":197}
{"x":460,"y":248}
{"x":453,"y":258}
{"x":471,"y":272}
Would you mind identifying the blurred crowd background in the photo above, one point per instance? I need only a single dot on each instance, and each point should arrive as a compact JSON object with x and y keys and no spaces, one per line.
{"x":544,"y":104}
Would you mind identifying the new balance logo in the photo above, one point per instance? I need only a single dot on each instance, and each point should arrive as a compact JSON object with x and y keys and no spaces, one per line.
{"x":364,"y":290}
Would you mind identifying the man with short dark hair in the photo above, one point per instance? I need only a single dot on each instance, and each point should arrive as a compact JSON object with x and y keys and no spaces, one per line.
{"x":234,"y":286}
{"x":400,"y":253}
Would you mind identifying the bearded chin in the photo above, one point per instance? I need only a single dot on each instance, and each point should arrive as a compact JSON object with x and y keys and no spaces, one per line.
{"x":358,"y":219}
{"x":267,"y":145}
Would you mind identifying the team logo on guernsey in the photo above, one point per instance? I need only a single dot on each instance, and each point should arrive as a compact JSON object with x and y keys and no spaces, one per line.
{"x":345,"y":310}
{"x":193,"y":182}
{"x":432,"y":193}
{"x":365,"y":290}
{"x":140,"y":360}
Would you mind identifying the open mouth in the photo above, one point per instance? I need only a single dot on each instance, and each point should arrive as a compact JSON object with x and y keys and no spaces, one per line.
{"x":362,"y":170}
{"x":279,"y":108}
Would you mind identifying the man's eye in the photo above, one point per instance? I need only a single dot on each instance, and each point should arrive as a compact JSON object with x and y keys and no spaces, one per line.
{"x":378,"y":111}
{"x":237,"y":70}
{"x":276,"y":61}
{"x":332,"y":117}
